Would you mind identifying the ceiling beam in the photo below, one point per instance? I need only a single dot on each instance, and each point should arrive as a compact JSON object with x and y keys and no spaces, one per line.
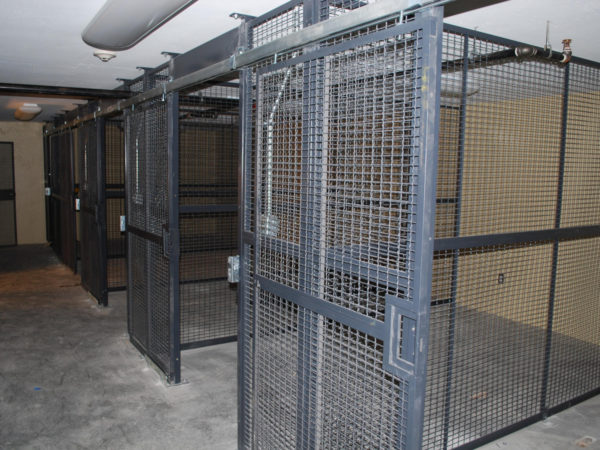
{"x":31,"y":90}
{"x":461,"y":6}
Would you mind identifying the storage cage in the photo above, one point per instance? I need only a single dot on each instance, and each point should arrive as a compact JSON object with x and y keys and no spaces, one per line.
{"x":378,"y":308}
{"x":208,"y":192}
{"x":116,"y":246}
{"x":101,"y":171}
{"x":60,"y":196}
{"x":181,"y":159}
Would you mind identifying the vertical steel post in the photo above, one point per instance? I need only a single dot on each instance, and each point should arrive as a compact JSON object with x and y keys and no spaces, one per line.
{"x":244,"y":190}
{"x":173,"y":227}
{"x":555,"y":248}
{"x":426,"y":164}
{"x":127,"y":150}
{"x":455,"y":253}
{"x":310,"y":270}
{"x":71,"y":199}
{"x":100,"y":228}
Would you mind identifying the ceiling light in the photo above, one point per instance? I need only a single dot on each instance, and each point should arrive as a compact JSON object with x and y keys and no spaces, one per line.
{"x":27,"y":111}
{"x":104,"y":55}
{"x":120,"y":24}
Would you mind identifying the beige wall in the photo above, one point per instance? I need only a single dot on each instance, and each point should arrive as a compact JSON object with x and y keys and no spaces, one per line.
{"x":29,"y":179}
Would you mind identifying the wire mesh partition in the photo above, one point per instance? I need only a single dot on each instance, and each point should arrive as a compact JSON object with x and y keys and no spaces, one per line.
{"x":516,"y":280}
{"x":337,"y":171}
{"x":208,"y":161}
{"x":331,"y":191}
{"x":92,"y":215}
{"x":116,"y":246}
{"x":61,"y":203}
{"x":151,"y":230}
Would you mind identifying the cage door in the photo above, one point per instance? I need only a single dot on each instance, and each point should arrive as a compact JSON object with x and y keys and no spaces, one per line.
{"x":344,"y":193}
{"x":92,"y":211}
{"x":152,"y":232}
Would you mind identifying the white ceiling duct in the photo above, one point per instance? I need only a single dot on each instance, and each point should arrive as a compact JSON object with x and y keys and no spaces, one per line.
{"x":120,"y":24}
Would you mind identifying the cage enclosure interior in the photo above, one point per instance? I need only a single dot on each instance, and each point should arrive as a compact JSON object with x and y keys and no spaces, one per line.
{"x":59,"y":164}
{"x":381,"y":309}
{"x":208,"y":155}
{"x":181,"y":158}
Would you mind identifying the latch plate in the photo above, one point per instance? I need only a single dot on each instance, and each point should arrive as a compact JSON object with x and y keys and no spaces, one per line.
{"x":233,"y":269}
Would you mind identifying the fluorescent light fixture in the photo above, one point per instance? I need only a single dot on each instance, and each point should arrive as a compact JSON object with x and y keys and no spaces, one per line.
{"x":27,"y":111}
{"x":120,"y":24}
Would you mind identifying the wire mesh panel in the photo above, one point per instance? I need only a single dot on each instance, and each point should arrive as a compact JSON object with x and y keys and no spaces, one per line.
{"x":512,"y":275}
{"x":62,"y":201}
{"x":116,"y":248}
{"x":340,"y":165}
{"x":152,"y":308}
{"x":208,"y":161}
{"x":92,"y":219}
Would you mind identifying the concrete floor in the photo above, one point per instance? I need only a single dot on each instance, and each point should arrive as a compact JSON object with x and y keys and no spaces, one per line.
{"x":70,"y":379}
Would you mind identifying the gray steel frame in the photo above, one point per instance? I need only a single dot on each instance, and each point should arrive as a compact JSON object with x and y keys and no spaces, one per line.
{"x":410,"y":367}
{"x":93,"y":252}
{"x":169,"y":242}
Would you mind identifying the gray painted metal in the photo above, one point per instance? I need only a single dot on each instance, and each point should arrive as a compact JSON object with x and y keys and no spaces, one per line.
{"x":60,"y":91}
{"x":403,"y":356}
{"x":515,"y":238}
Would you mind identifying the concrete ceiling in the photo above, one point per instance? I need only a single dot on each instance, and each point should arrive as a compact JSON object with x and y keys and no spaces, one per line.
{"x":40,"y":42}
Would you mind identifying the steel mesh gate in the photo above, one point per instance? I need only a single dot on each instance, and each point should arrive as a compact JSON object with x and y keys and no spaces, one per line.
{"x":208,"y":161}
{"x":92,"y":216}
{"x":516,"y":280}
{"x":339,"y":173}
{"x":152,"y":229}
{"x":116,"y":245}
{"x":61,"y":202}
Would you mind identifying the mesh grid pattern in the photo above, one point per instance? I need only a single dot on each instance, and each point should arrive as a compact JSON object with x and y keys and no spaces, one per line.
{"x":512,"y":121}
{"x":93,"y":275}
{"x":337,"y":143}
{"x":208,"y":155}
{"x":493,"y":361}
{"x":275,"y":402}
{"x":359,"y":404}
{"x":115,"y":204}
{"x":582,"y":163}
{"x":575,"y":351}
{"x":137,"y":290}
{"x":497,"y":342}
{"x":363,"y":406}
{"x":278,"y":25}
{"x":332,"y":8}
{"x":247,"y":344}
{"x":147,"y":207}
{"x":61,"y":180}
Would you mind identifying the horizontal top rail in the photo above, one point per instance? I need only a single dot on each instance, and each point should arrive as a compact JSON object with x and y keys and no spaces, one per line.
{"x":336,"y":25}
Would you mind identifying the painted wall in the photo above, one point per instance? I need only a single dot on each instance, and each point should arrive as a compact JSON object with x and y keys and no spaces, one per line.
{"x":29,"y":179}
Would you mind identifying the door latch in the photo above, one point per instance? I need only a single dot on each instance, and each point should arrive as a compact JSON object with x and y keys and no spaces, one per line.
{"x":233,"y":269}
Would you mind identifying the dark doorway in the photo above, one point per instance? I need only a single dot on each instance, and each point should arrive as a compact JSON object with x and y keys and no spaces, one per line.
{"x":8,"y":222}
